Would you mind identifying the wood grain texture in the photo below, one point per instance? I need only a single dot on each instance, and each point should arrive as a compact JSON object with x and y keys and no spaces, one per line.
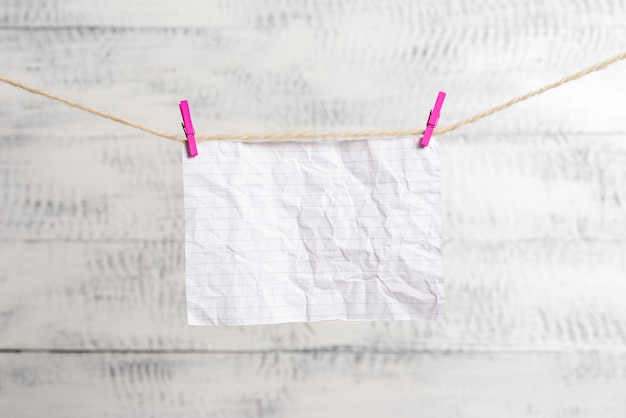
{"x":534,"y":252}
{"x":91,"y":223}
{"x":350,"y":71}
{"x":495,"y":188}
{"x":526,"y":294}
{"x":313,"y":384}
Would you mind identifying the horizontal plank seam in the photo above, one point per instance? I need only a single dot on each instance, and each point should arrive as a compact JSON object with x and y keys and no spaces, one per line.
{"x":572,"y":26}
{"x":621,"y":349}
{"x":569,"y":240}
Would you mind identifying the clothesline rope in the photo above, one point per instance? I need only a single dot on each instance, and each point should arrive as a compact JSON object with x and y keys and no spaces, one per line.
{"x":320,"y":135}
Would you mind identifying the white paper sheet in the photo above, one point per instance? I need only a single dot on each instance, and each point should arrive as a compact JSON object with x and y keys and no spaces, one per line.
{"x":309,"y":231}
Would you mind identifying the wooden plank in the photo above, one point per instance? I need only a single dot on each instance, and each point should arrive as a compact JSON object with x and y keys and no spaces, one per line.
{"x":268,"y":14}
{"x":534,"y":187}
{"x":313,"y":384}
{"x":96,"y":188}
{"x":125,"y":295}
{"x":351,"y":77}
{"x":494,"y":188}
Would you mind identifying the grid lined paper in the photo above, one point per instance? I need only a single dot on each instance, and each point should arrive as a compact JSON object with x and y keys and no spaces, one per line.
{"x":309,"y":231}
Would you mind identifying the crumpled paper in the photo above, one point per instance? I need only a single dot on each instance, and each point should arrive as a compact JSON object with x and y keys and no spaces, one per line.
{"x":309,"y":231}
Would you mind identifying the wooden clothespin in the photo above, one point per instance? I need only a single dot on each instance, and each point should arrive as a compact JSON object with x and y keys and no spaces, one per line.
{"x":433,"y":118}
{"x":192,"y":151}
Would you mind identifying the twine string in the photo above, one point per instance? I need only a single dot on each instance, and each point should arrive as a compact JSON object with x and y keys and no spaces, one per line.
{"x":287,"y":136}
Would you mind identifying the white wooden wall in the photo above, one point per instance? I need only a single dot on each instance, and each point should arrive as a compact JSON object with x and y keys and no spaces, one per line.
{"x":92,"y":309}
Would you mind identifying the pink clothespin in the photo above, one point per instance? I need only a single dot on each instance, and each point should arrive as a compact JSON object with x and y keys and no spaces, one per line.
{"x":433,"y":118}
{"x":192,"y":151}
